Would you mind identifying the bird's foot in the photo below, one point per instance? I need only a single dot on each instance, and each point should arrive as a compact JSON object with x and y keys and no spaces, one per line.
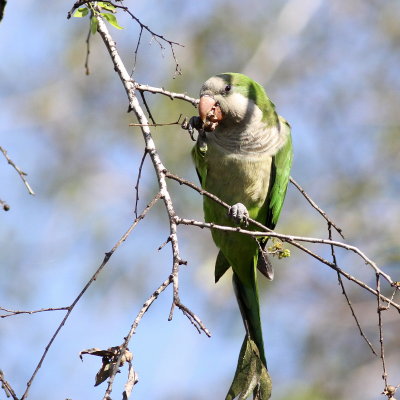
{"x":238,"y":212}
{"x":192,"y":124}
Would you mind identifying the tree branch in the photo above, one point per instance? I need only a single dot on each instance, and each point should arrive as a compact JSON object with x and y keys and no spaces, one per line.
{"x":315,"y":206}
{"x":91,"y":280}
{"x":130,"y":86}
{"x":171,"y":95}
{"x":21,"y":173}
{"x":7,"y":387}
{"x":340,"y":280}
{"x":11,"y":313}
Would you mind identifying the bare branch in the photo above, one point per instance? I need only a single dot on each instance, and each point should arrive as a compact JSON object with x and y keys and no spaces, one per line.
{"x":133,"y":328}
{"x":340,"y":280}
{"x":382,"y":347}
{"x":134,"y":106}
{"x":7,"y":387}
{"x":178,"y":122}
{"x":171,"y":95}
{"x":287,"y":238}
{"x":21,"y":173}
{"x":10,"y":313}
{"x":157,"y":37}
{"x":137,"y":48}
{"x":92,"y":279}
{"x":147,"y":107}
{"x":138,"y":181}
{"x":193,"y":318}
{"x":87,"y":70}
{"x":292,"y":239}
{"x":315,"y":206}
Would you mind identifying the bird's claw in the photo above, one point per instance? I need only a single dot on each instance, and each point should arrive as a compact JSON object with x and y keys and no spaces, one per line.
{"x":238,"y":212}
{"x":193,"y":123}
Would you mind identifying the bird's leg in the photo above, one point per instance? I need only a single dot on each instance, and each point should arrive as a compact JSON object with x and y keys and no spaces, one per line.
{"x":193,"y":123}
{"x":238,"y":212}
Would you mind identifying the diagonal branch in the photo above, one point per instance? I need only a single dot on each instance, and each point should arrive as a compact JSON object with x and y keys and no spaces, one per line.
{"x":21,"y":173}
{"x":315,"y":206}
{"x":287,"y":238}
{"x":7,"y":387}
{"x":340,"y":280}
{"x":294,"y":240}
{"x":91,"y":280}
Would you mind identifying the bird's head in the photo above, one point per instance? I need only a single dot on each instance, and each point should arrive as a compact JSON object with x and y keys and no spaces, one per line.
{"x":229,"y":98}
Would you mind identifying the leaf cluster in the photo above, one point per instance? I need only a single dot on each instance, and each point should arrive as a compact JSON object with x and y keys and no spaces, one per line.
{"x":96,"y":11}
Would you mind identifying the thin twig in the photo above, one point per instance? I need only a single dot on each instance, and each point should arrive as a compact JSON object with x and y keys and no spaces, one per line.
{"x":7,"y":387}
{"x":178,"y":122}
{"x":147,"y":107}
{"x":10,"y":313}
{"x":171,"y":95}
{"x":164,"y":244}
{"x":133,"y":328}
{"x":346,"y":296}
{"x":315,"y":206}
{"x":193,"y":318}
{"x":91,"y":280}
{"x":382,"y":347}
{"x":137,"y":49}
{"x":87,"y":70}
{"x":138,"y":181}
{"x":21,"y":173}
{"x":157,"y":37}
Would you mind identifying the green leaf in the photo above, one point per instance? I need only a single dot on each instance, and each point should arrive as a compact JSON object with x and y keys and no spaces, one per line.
{"x":81,"y":12}
{"x":112,"y":20}
{"x":106,"y":5}
{"x":93,"y":25}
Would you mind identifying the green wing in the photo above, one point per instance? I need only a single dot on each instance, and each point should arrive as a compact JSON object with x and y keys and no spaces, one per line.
{"x":198,"y":155}
{"x":281,"y":164}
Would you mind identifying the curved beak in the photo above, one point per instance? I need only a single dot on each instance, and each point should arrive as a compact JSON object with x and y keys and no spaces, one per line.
{"x":205,"y":106}
{"x":210,"y":112}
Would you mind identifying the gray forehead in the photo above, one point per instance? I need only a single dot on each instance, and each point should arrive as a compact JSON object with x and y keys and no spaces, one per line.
{"x":215,"y":84}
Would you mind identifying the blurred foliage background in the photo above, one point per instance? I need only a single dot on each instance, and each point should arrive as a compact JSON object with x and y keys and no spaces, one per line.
{"x":332,"y":69}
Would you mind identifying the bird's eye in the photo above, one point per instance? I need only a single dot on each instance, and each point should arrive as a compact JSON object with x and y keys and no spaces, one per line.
{"x":228,"y":88}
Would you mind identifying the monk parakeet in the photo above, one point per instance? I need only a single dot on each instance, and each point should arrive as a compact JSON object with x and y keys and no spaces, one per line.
{"x":243,"y":155}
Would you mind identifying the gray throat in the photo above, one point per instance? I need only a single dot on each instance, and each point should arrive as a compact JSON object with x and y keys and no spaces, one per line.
{"x":254,"y":138}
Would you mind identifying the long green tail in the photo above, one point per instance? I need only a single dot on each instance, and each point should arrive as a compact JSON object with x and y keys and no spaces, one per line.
{"x":249,"y":305}
{"x":251,"y":374}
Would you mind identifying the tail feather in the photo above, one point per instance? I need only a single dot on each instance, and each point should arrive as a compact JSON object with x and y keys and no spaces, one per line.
{"x":251,"y":374}
{"x":247,"y":298}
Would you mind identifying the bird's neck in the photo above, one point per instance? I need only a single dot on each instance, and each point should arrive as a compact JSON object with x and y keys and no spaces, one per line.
{"x":254,"y":137}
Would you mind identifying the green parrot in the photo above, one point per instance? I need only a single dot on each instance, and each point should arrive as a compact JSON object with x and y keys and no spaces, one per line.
{"x":243,"y":155}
